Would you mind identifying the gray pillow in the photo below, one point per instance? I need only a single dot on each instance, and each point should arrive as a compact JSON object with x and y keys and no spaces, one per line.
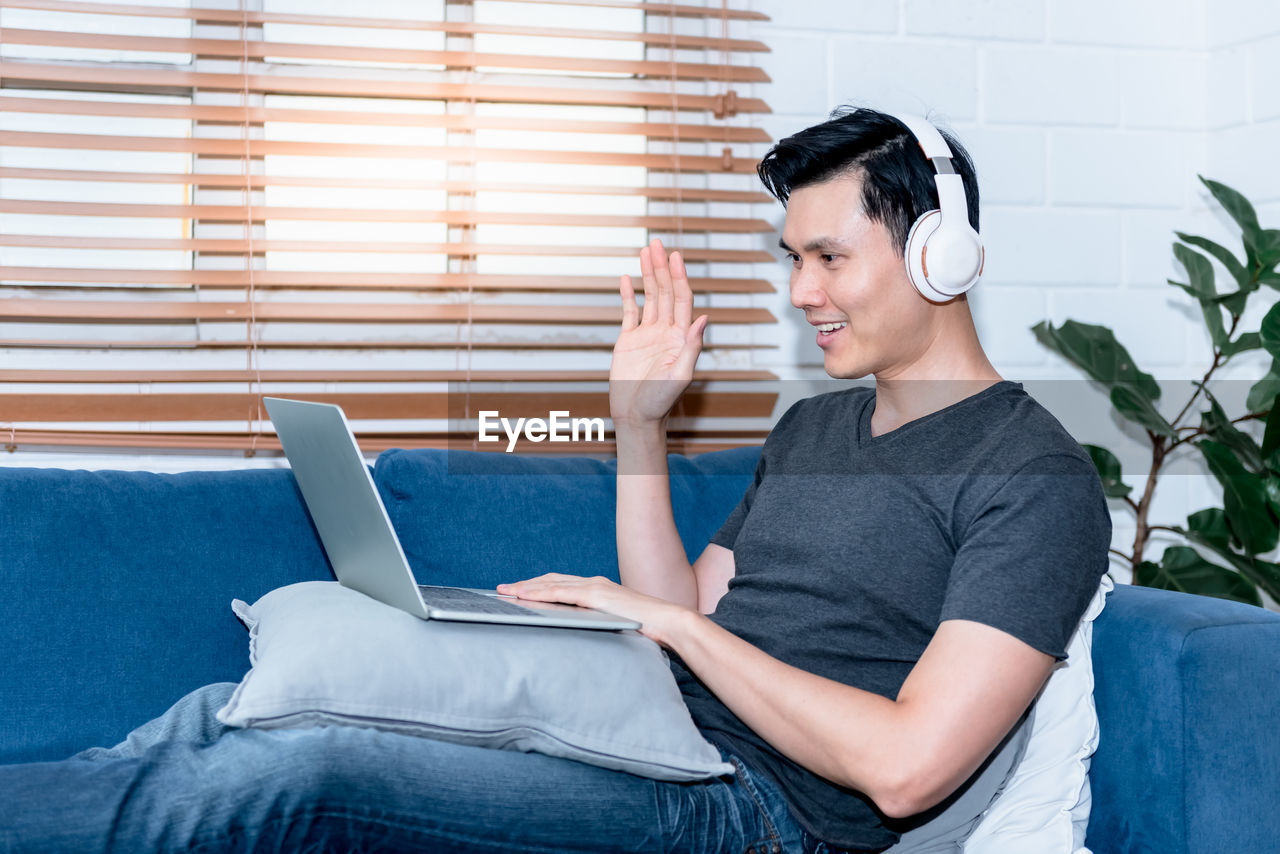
{"x":323,"y":654}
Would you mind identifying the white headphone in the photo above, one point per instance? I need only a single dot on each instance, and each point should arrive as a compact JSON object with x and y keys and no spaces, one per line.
{"x":944,"y":255}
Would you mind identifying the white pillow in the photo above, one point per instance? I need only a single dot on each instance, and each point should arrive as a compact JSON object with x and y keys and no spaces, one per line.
{"x":1045,"y":804}
{"x":324,"y":654}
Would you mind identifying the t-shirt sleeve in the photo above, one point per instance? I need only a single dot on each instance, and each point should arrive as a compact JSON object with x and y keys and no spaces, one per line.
{"x":1031,"y":559}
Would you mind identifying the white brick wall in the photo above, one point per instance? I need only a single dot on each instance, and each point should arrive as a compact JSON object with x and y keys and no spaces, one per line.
{"x":1089,"y":121}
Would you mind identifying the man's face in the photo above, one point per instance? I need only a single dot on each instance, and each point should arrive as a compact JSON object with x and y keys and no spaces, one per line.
{"x":846,"y":271}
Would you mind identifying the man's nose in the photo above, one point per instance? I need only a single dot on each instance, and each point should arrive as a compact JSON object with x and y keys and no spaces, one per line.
{"x":805,"y":290}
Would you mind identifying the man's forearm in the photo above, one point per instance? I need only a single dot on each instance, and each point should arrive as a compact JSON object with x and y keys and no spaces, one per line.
{"x":849,"y":736}
{"x":651,"y":557}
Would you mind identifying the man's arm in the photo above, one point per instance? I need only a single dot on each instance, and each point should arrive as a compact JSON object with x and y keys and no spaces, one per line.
{"x":962,"y":697}
{"x":966,"y":692}
{"x":653,"y":363}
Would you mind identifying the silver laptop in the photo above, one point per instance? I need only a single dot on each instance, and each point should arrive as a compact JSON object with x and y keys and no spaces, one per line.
{"x":361,"y":543}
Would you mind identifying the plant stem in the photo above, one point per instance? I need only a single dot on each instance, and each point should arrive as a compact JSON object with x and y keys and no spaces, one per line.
{"x":1144,"y":505}
{"x":1159,"y":452}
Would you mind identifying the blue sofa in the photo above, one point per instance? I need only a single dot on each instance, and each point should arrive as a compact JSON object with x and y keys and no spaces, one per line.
{"x":116,"y":589}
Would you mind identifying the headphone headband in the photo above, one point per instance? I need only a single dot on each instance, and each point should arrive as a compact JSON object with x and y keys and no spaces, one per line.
{"x":927,"y":136}
{"x":944,"y":255}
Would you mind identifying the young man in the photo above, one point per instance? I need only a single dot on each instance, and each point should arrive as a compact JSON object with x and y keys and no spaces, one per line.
{"x":896,"y":585}
{"x":860,"y":639}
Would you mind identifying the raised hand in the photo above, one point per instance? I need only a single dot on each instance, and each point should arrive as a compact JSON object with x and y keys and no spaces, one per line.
{"x":656,"y":350}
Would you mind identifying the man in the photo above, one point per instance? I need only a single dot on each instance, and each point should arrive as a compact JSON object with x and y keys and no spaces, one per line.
{"x":859,"y":639}
{"x":917,"y":557}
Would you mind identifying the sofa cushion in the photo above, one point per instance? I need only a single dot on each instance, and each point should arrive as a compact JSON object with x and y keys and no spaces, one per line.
{"x":324,"y":654}
{"x":115,"y":586}
{"x":477,"y":519}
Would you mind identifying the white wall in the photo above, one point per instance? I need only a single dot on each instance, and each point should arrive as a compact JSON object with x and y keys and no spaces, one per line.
{"x":1088,"y":121}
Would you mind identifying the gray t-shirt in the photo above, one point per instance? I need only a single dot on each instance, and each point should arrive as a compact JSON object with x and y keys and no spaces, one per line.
{"x":850,"y":549}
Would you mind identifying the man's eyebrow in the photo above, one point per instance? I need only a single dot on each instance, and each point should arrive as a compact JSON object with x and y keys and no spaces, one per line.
{"x":819,"y":244}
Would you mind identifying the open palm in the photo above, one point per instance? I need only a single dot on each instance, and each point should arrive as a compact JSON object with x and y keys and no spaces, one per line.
{"x":656,"y":350}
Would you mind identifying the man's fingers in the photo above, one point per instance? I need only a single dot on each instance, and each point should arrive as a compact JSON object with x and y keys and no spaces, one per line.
{"x":650,"y":288}
{"x":683,"y":293}
{"x":630,"y":311}
{"x":692,"y":347}
{"x":662,"y":273}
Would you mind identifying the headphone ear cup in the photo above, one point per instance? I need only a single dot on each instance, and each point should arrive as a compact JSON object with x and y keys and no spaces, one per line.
{"x":958,"y":258}
{"x":913,"y":254}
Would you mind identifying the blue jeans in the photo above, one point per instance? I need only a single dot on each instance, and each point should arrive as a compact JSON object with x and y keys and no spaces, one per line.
{"x":185,"y":782}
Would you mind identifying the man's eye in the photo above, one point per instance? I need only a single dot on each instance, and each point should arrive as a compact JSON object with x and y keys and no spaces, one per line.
{"x":827,"y":259}
{"x":793,"y":258}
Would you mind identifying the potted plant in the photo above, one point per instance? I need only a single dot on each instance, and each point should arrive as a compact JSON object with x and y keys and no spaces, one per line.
{"x":1231,"y":537}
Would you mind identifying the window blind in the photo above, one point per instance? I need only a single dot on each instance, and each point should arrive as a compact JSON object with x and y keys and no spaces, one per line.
{"x":417,"y":209}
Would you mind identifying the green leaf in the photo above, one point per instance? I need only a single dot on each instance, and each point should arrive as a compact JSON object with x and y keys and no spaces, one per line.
{"x":1219,"y":428}
{"x":1234,"y":302}
{"x":1224,"y":255}
{"x":1239,"y":208}
{"x":1108,"y":467}
{"x":1211,"y":523}
{"x":1271,"y":278}
{"x":1262,"y":573}
{"x":1200,"y":272}
{"x":1271,"y":434}
{"x":1272,"y":486}
{"x":1244,"y":499}
{"x":1198,"y":269}
{"x":1140,"y":410}
{"x":1269,"y":331}
{"x":1182,"y":568}
{"x":1095,"y":351}
{"x":1268,"y":247}
{"x":1264,"y":389}
{"x":1247,"y":341}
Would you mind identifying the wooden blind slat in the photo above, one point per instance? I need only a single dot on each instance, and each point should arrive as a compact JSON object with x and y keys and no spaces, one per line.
{"x":240,"y":115}
{"x":64,"y":311}
{"x":232,"y":406}
{"x":450,"y":154}
{"x":513,"y":344}
{"x":240,"y":247}
{"x":355,"y":281}
{"x":99,"y":76}
{"x":257,"y":182}
{"x":229,"y":213}
{"x":260,"y":50}
{"x":278,"y":376}
{"x":235,"y":16}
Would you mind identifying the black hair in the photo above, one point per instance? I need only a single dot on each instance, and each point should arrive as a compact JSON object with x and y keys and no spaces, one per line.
{"x":897,"y":179}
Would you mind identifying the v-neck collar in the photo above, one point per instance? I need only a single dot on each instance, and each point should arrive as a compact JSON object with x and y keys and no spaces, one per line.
{"x":865,"y":439}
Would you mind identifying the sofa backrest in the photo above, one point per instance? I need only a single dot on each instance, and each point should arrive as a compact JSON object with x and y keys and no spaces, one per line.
{"x":478,"y":519}
{"x":116,"y":589}
{"x":1188,"y":696}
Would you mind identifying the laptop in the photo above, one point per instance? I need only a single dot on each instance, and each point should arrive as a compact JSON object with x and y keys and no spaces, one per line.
{"x":361,"y":543}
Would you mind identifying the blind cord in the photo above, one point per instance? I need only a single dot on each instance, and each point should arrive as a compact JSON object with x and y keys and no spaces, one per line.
{"x":253,"y":361}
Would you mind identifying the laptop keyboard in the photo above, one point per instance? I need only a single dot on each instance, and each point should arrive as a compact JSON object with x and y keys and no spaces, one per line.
{"x":458,"y":599}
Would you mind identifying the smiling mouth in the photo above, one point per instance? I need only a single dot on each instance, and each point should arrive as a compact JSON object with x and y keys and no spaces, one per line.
{"x":827,"y":329}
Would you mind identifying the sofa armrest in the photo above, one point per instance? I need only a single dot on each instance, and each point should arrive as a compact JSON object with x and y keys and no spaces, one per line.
{"x":1187,"y":690}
